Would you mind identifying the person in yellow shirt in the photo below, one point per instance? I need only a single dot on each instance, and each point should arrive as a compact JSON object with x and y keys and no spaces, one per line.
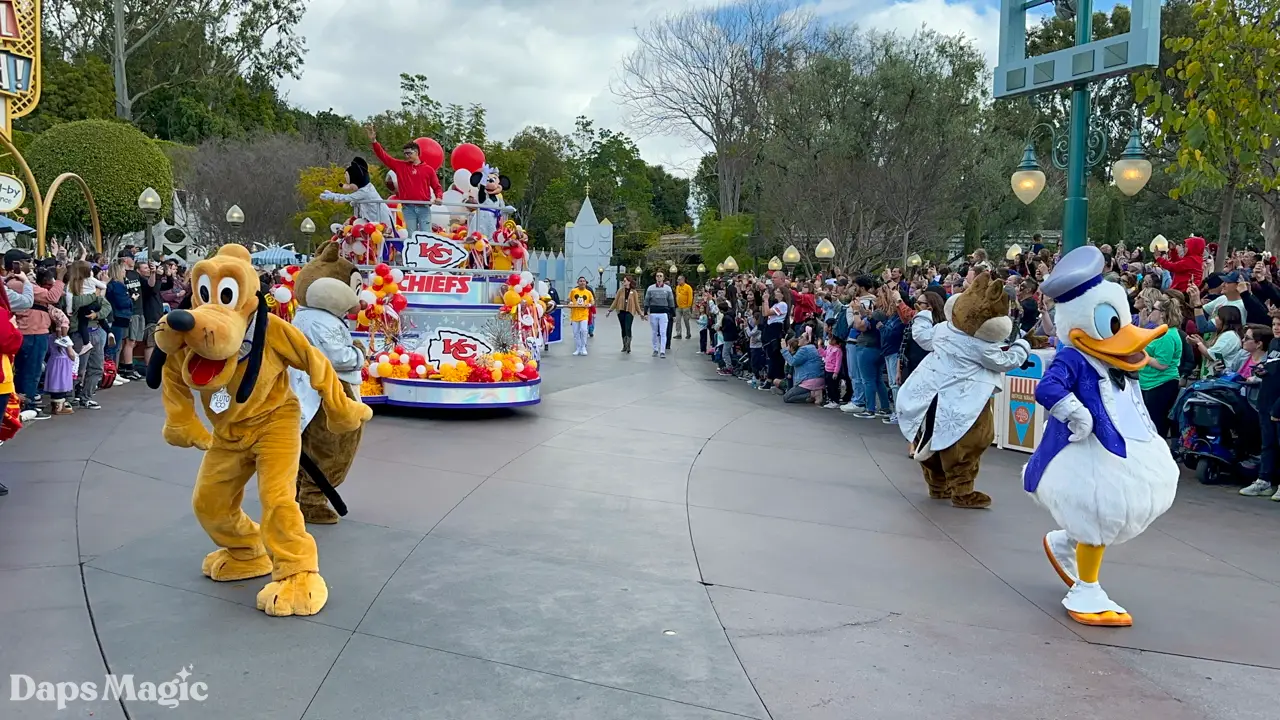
{"x":580,"y":303}
{"x":684,"y":308}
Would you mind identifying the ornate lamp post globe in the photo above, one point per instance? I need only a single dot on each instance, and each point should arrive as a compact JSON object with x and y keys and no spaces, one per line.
{"x":149,"y":201}
{"x":775,"y":263}
{"x":308,"y":227}
{"x":720,"y":268}
{"x":790,"y":257}
{"x":825,"y":250}
{"x":730,"y":264}
{"x":701,"y":268}
{"x":914,"y":260}
{"x":1159,"y":244}
{"x":1028,"y":180}
{"x":235,"y":216}
{"x":1132,"y":171}
{"x":673,"y":269}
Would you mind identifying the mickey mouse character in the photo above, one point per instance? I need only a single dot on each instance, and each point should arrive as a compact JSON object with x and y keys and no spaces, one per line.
{"x":490,"y":183}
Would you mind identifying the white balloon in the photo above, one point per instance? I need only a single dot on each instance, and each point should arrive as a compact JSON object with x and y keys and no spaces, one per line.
{"x":404,"y":358}
{"x":397,"y":275}
{"x":367,"y":297}
{"x":421,"y":370}
{"x":373,"y":370}
{"x":384,"y":358}
{"x":519,"y":366}
{"x":335,"y":228}
{"x":526,"y":279}
{"x":357,"y":248}
{"x":281,"y":294}
{"x":462,"y":178}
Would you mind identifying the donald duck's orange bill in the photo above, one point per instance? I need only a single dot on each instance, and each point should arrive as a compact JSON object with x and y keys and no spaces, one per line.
{"x":1126,"y":350}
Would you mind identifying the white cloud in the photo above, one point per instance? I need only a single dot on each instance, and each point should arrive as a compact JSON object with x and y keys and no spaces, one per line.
{"x":536,"y":62}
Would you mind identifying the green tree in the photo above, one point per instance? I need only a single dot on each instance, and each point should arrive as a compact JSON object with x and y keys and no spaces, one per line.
{"x":972,"y":231}
{"x":117,"y":162}
{"x":1225,"y":123}
{"x":1116,"y":229}
{"x":670,"y":206}
{"x":155,"y":44}
{"x":721,"y":238}
{"x":71,"y":89}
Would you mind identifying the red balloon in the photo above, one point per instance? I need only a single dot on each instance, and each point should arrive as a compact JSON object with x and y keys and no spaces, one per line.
{"x":399,"y":303}
{"x":467,"y":157}
{"x":399,"y":350}
{"x":514,"y":280}
{"x":383,"y":269}
{"x":416,"y":359}
{"x":430,"y":152}
{"x":516,"y":252}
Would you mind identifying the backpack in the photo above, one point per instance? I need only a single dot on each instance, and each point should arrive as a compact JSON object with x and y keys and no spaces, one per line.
{"x":841,"y":329}
{"x":1189,"y":363}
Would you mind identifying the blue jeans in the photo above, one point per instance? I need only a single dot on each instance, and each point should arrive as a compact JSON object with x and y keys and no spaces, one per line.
{"x":417,"y":218}
{"x":851,"y":360}
{"x":873,"y":388}
{"x":113,"y":351}
{"x":891,"y":365}
{"x":27,"y":366}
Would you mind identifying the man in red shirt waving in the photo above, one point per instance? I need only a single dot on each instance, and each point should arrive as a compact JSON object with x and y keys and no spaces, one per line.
{"x":415,"y":181}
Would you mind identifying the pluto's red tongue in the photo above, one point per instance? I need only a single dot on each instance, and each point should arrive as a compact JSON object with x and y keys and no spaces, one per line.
{"x":204,"y":370}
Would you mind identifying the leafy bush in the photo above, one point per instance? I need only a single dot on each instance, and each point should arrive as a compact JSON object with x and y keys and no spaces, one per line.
{"x":117,"y":162}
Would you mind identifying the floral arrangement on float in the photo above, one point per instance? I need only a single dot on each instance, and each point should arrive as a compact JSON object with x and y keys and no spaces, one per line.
{"x":508,"y":362}
{"x":282,"y":301}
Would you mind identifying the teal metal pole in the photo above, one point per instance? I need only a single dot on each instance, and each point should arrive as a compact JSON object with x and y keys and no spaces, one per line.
{"x":1075,"y":211}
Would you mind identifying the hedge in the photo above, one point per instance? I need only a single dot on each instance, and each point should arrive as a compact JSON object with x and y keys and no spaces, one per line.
{"x":116,"y":160}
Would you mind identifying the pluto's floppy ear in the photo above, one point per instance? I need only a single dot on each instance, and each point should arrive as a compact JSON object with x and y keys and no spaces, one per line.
{"x":250,"y":377}
{"x":155,"y":368}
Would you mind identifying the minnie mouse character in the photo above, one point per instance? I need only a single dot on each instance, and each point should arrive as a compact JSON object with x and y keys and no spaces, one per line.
{"x":490,"y":183}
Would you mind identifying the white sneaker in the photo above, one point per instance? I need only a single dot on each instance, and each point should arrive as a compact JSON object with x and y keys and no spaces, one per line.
{"x":852,"y":408}
{"x":577,"y":353}
{"x":831,"y":406}
{"x":584,"y":352}
{"x":119,"y":381}
{"x":662,"y":355}
{"x":1258,"y":488}
{"x":1276,"y":497}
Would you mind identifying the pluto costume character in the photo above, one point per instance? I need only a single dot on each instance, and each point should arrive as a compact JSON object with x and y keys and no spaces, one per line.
{"x":1101,"y":470}
{"x":326,"y":290}
{"x":945,"y":407}
{"x":233,"y":354}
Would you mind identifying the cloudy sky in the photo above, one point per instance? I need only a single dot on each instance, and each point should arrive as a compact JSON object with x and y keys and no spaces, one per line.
{"x":539,"y":62}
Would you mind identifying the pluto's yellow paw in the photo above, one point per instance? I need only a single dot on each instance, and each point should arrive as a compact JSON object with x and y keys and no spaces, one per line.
{"x":221,"y":566}
{"x":1104,"y":619}
{"x":301,"y":594}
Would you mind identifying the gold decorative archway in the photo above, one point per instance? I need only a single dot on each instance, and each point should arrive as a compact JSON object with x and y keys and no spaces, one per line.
{"x":47,"y":205}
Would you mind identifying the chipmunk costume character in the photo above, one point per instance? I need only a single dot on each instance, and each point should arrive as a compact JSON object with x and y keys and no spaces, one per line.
{"x":1102,"y":471}
{"x":945,"y":407}
{"x":326,"y":291}
{"x":233,"y":354}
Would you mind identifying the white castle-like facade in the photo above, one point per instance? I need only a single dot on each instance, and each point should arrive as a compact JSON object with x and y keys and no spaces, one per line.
{"x":588,"y":246}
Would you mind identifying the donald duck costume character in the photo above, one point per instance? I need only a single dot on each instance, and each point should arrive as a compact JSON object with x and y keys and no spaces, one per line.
{"x":1102,"y":471}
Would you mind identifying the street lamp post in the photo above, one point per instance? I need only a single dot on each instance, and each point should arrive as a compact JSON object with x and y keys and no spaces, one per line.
{"x":235,"y":217}
{"x":600,"y":289}
{"x":149,"y":203}
{"x":701,"y":269}
{"x":1087,"y":61}
{"x":824,"y":252}
{"x":790,"y":258}
{"x":308,"y":229}
{"x":719,"y":268}
{"x":731,"y":265}
{"x":775,"y":264}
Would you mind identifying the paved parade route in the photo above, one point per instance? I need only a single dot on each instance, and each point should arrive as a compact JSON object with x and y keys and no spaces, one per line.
{"x":652,"y":541}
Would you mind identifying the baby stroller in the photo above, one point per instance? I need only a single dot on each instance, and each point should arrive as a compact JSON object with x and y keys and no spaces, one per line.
{"x":1218,"y":430}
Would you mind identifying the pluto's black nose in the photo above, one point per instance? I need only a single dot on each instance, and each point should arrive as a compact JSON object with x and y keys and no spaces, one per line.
{"x":181,"y":320}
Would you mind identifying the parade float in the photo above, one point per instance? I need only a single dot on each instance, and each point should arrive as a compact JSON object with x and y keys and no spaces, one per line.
{"x":451,"y":318}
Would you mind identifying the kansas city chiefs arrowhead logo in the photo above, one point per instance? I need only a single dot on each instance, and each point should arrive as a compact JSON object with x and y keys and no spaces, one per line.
{"x":434,"y":252}
{"x":449,"y":345}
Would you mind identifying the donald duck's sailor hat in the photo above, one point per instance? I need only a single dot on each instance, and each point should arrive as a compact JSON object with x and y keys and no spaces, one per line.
{"x":1078,"y":272}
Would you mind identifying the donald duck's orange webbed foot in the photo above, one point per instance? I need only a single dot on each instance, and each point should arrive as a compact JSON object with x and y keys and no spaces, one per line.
{"x":1103,"y":619}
